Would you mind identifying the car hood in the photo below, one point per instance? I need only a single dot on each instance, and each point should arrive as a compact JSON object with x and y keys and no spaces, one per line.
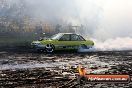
{"x":45,"y":41}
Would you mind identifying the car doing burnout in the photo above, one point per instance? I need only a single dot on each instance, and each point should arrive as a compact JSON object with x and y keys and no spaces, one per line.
{"x":62,"y":41}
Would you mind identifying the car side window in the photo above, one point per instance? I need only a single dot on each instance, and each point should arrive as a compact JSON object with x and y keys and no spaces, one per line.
{"x":65,"y":37}
{"x":81,"y":38}
{"x":75,"y":37}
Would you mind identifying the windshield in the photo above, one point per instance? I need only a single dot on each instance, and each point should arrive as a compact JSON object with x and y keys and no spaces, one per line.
{"x":56,"y":36}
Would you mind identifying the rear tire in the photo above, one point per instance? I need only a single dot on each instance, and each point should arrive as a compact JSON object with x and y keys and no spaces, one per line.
{"x":82,"y":47}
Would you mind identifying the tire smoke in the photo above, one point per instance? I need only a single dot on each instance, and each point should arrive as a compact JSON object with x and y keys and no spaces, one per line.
{"x":116,"y":44}
{"x":108,"y":22}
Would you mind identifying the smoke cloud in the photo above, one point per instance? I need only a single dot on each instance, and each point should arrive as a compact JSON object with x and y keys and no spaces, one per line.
{"x":108,"y":22}
{"x":113,"y":44}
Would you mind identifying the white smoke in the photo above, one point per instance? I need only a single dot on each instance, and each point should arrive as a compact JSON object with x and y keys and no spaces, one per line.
{"x":116,"y":20}
{"x":109,"y":22}
{"x":115,"y":28}
{"x":113,"y":44}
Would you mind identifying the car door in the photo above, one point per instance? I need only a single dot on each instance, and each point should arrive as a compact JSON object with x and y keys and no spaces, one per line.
{"x":76,"y":40}
{"x":64,"y":42}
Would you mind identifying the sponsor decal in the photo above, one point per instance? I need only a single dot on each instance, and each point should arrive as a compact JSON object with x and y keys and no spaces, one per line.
{"x":108,"y":78}
{"x":103,"y":78}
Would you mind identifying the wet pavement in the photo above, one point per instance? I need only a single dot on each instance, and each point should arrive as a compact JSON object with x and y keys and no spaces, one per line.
{"x":41,"y":70}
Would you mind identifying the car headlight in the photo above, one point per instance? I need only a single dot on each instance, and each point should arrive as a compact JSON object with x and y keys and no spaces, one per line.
{"x":35,"y":43}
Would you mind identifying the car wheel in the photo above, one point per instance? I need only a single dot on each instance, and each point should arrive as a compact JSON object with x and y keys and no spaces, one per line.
{"x":81,"y":48}
{"x":49,"y":48}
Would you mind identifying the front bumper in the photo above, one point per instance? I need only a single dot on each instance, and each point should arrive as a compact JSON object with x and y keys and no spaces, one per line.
{"x":37,"y":46}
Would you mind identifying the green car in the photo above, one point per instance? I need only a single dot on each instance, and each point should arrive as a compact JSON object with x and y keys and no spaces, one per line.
{"x":62,"y":41}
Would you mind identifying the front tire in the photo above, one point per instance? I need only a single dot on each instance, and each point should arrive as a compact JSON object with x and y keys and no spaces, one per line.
{"x":49,"y":48}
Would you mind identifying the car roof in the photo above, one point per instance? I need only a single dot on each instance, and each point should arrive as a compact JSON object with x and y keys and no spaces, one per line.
{"x":67,"y":33}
